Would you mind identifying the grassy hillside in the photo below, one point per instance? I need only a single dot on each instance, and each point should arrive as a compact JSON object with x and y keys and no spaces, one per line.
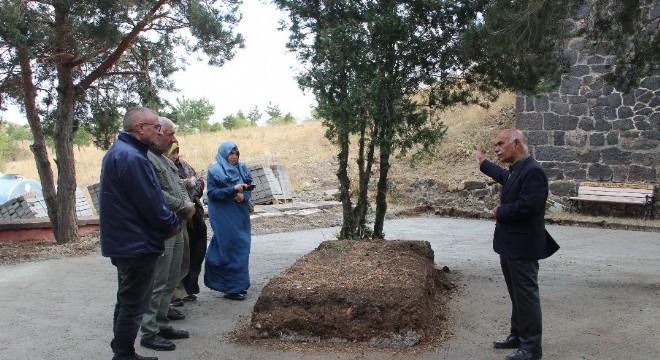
{"x":309,"y":157}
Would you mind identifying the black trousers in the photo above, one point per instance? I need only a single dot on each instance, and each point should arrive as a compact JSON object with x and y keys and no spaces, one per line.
{"x":197,"y":236}
{"x":521,"y":277}
{"x":136,"y":280}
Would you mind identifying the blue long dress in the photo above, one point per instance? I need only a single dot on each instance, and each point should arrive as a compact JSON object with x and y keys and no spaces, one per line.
{"x":227,"y":257}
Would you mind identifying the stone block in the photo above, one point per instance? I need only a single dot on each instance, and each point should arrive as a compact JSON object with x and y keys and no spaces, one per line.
{"x":641,"y":123}
{"x":563,"y":188}
{"x":650,"y":83}
{"x":552,"y":153}
{"x":625,"y":112}
{"x":568,"y":122}
{"x":612,"y":138}
{"x":646,"y":158}
{"x":602,"y":125}
{"x":537,"y":137}
{"x":570,"y":85}
{"x":529,"y":121}
{"x":580,"y":70}
{"x":586,"y":124}
{"x":559,"y":138}
{"x":625,"y":124}
{"x":595,"y":60}
{"x":628,"y":99}
{"x":615,"y":156}
{"x":639,"y":144}
{"x":597,"y":139}
{"x":578,"y":109}
{"x":541,"y":103}
{"x":613,"y":100}
{"x":588,"y":156}
{"x":599,"y":172}
{"x":638,"y":173}
{"x":474,"y":184}
{"x":650,"y":134}
{"x":559,"y":108}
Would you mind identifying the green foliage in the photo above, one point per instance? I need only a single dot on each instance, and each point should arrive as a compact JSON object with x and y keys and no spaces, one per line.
{"x":232,"y":122}
{"x":215,"y":127}
{"x":192,"y":115}
{"x":275,"y":116}
{"x":82,"y":138}
{"x":18,"y":133}
{"x":104,"y":125}
{"x":517,"y":45}
{"x":629,"y":30}
{"x":254,"y":115}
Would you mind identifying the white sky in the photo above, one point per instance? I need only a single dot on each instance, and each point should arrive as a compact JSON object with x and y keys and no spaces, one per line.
{"x":260,"y":73}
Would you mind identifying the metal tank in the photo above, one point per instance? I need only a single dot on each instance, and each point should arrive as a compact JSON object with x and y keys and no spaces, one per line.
{"x":13,"y":186}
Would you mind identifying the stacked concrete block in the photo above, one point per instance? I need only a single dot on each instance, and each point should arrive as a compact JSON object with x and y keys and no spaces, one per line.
{"x":17,"y":208}
{"x":34,"y":207}
{"x":94,"y":190}
{"x":273,"y":184}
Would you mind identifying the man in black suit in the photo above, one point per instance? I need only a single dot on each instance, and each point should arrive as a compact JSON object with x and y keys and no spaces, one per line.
{"x":520,"y":238}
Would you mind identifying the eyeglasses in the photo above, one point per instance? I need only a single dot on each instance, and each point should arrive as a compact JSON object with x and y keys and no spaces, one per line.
{"x":156,"y":126}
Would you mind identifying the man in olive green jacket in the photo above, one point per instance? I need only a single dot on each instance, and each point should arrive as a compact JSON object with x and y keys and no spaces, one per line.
{"x":155,"y":330}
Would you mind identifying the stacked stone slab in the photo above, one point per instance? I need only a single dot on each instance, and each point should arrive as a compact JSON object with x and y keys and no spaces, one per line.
{"x":34,"y":207}
{"x":588,"y":129}
{"x":273,"y":184}
{"x":94,"y":190}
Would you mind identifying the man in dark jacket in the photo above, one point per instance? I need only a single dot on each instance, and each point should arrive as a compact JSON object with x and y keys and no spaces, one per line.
{"x":520,"y":238}
{"x":134,"y":222}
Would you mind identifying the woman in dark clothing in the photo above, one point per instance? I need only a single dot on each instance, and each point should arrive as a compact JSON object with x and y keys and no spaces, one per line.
{"x":194,"y":185}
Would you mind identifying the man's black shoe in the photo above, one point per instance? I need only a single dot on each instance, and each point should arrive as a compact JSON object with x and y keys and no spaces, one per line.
{"x":176,"y":303}
{"x":158,"y":342}
{"x":511,"y":342}
{"x":171,"y":333}
{"x":521,"y":354}
{"x":138,"y":357}
{"x":174,"y":314}
{"x":191,"y":297}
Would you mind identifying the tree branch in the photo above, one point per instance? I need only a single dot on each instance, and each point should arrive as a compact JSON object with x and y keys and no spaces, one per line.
{"x":121,"y":48}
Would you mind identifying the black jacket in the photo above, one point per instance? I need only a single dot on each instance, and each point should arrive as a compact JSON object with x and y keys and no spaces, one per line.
{"x":520,"y":227}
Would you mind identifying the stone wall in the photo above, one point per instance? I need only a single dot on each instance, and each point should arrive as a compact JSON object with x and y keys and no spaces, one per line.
{"x":587,"y":130}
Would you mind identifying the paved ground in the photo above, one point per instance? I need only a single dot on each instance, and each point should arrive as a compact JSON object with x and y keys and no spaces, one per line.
{"x":600,"y":293}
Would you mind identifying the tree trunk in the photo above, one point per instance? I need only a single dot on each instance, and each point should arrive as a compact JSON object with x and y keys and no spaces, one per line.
{"x":66,"y":169}
{"x":348,"y":223}
{"x":38,"y":147}
{"x":365,"y":162}
{"x":381,"y":195}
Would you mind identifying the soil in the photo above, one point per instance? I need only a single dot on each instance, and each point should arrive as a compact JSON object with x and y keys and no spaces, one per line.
{"x":382,"y":292}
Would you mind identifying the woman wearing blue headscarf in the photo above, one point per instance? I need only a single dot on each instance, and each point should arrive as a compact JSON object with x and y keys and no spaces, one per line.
{"x":227,"y":257}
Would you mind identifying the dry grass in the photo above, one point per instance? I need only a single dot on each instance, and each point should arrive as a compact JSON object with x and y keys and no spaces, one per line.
{"x":308,"y":155}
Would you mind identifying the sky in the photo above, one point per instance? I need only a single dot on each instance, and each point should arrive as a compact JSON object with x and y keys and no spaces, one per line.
{"x":262,"y":72}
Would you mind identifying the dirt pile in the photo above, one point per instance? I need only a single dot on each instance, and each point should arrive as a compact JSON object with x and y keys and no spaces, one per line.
{"x":381,"y":292}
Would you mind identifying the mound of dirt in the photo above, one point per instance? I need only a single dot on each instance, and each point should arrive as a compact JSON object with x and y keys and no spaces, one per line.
{"x":380,"y":292}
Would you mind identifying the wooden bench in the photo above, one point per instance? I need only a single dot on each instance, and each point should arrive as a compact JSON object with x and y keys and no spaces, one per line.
{"x":617,"y":193}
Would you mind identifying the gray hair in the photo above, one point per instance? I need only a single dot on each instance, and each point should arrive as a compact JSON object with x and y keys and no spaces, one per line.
{"x":134,"y":115}
{"x":166,"y":122}
{"x":517,"y":134}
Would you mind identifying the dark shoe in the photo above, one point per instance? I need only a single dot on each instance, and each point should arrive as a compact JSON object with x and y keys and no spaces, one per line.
{"x":234,"y":297}
{"x":511,"y":342}
{"x":176,"y":303}
{"x":174,"y":314}
{"x":138,"y":357}
{"x":244,"y":292}
{"x":521,"y":354}
{"x":191,"y":297}
{"x":171,"y":333}
{"x":158,"y":342}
